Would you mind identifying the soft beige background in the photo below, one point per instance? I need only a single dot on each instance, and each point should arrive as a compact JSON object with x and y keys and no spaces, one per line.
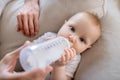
{"x":118,"y":3}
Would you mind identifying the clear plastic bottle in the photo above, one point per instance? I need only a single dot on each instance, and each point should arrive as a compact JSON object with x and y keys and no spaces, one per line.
{"x":43,"y":54}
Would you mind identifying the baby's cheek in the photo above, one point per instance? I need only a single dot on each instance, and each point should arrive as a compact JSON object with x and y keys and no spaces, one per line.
{"x":79,"y":47}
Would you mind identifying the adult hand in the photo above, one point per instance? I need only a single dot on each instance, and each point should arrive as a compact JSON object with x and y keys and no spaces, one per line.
{"x":7,"y":65}
{"x":28,"y":18}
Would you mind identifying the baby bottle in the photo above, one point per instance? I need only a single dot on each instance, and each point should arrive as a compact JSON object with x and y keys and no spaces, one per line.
{"x":43,"y":54}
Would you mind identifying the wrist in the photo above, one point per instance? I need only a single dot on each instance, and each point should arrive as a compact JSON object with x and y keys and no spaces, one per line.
{"x":55,"y":66}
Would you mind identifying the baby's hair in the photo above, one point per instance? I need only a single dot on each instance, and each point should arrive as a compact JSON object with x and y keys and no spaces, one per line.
{"x":95,"y":18}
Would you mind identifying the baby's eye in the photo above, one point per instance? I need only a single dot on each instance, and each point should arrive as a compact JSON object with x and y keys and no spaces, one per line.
{"x":72,"y":29}
{"x":82,"y":39}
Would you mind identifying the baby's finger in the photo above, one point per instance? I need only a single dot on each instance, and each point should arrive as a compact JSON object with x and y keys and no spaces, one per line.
{"x":67,"y":55}
{"x":73,"y":52}
{"x":62,"y":58}
{"x":70,"y":54}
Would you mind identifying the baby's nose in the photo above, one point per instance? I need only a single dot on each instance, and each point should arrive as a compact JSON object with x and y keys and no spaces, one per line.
{"x":72,"y":38}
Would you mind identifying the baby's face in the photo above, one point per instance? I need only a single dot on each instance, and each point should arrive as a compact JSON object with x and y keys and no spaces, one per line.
{"x":80,"y":31}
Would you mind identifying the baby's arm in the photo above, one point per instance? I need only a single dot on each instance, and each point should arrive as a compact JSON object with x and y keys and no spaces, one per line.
{"x":59,"y":70}
{"x":58,"y":73}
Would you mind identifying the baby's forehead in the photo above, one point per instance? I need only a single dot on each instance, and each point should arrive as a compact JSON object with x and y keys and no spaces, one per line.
{"x":86,"y":19}
{"x":80,"y":17}
{"x":81,"y":14}
{"x":85,"y":15}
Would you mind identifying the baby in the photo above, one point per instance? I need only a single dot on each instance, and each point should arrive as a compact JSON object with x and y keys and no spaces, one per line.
{"x":82,"y":30}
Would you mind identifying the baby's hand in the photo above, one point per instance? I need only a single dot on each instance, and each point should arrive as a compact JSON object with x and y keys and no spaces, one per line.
{"x":66,"y":57}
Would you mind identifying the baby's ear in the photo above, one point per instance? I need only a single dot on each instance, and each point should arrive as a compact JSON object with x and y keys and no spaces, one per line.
{"x":65,"y":21}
